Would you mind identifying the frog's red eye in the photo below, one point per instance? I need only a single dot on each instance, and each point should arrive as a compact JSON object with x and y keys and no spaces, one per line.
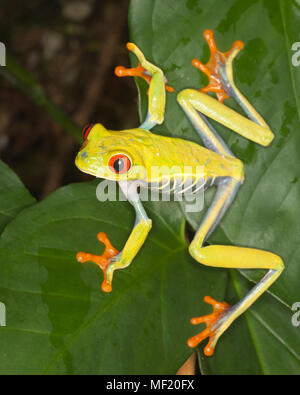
{"x":86,"y":130}
{"x":119,"y":163}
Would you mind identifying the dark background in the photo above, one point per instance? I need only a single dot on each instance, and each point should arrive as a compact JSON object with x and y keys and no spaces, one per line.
{"x":71,"y":47}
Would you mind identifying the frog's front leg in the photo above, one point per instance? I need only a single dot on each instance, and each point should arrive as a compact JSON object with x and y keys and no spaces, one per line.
{"x":157,"y":86}
{"x":139,"y":233}
{"x":113,"y":260}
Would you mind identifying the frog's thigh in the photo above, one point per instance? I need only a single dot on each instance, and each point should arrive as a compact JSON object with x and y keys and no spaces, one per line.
{"x":207,"y":105}
{"x":227,"y":256}
{"x":235,"y":257}
{"x":242,"y":258}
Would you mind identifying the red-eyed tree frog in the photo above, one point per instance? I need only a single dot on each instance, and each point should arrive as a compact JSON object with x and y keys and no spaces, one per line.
{"x":127,"y":157}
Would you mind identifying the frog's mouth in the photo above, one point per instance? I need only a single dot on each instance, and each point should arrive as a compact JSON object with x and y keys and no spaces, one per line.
{"x":86,"y":166}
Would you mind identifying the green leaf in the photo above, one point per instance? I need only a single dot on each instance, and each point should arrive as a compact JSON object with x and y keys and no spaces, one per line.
{"x":261,"y":341}
{"x":266,"y":212}
{"x":59,"y":320}
{"x":13,"y":195}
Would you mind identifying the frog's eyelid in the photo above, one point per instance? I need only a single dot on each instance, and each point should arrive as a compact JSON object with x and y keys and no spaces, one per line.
{"x":86,"y":130}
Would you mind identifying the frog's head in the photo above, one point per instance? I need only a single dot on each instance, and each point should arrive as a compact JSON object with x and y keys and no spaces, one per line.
{"x":113,"y":155}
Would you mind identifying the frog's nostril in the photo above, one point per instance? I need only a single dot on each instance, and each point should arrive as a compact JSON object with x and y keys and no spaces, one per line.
{"x":83,"y":154}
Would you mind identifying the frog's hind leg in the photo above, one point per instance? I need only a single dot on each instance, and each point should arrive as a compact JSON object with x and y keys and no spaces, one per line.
{"x":219,"y":71}
{"x":198,"y":105}
{"x":219,"y":67}
{"x":223,"y":315}
{"x":190,"y":101}
{"x":228,"y":257}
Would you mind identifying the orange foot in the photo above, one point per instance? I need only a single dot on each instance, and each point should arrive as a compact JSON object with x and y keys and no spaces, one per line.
{"x":138,"y":71}
{"x":102,"y":261}
{"x":212,"y":67}
{"x":212,"y":322}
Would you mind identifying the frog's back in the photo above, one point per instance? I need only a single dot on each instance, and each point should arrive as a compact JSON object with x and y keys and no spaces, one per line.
{"x":183,"y":153}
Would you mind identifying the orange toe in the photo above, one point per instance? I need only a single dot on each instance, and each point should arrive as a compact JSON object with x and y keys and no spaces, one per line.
{"x":219,"y":308}
{"x":130,"y":46}
{"x":138,"y":71}
{"x":102,"y":261}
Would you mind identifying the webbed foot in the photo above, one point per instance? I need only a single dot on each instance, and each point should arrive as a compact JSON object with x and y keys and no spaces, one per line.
{"x":219,"y":67}
{"x":213,"y":323}
{"x":103,"y":261}
{"x":138,"y":71}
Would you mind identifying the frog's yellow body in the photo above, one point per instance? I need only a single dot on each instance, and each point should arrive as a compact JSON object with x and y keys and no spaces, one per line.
{"x":129,"y":157}
{"x":148,"y":150}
